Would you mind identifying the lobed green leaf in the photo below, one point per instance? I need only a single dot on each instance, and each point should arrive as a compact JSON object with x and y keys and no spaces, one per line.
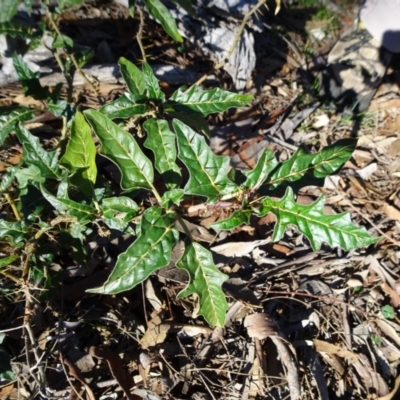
{"x":319,"y":165}
{"x":150,"y":252}
{"x":336,"y":230}
{"x":205,"y":280}
{"x":265,"y":165}
{"x":208,"y":172}
{"x":33,"y":153}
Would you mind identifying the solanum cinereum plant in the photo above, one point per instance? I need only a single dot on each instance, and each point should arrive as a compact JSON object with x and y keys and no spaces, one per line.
{"x":164,"y":159}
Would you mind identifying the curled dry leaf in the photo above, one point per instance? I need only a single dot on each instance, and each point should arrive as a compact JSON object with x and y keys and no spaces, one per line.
{"x":117,"y":370}
{"x":260,"y":326}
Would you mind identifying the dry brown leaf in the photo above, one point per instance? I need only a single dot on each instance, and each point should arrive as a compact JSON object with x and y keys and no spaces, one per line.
{"x":334,"y":349}
{"x":156,"y":333}
{"x":394,"y":295}
{"x":260,"y":326}
{"x":391,"y":212}
{"x":372,"y":380}
{"x":6,"y":390}
{"x":389,"y":331}
{"x":117,"y":370}
{"x":239,"y":249}
{"x":77,"y":374}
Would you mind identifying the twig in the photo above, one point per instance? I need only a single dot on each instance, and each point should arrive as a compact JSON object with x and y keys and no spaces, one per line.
{"x":11,"y":202}
{"x":234,"y":44}
{"x":140,"y":34}
{"x":72,"y":58}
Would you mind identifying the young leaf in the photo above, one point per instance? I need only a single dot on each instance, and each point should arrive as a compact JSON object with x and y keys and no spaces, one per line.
{"x":80,"y":155}
{"x":238,"y":218}
{"x":118,"y":212}
{"x":123,"y":107}
{"x":121,"y":148}
{"x":29,"y":79}
{"x":151,"y":251}
{"x":207,"y":101}
{"x":9,"y":121}
{"x":172,"y":196}
{"x":133,"y":76}
{"x":4,"y":261}
{"x":15,"y":29}
{"x":265,"y":165}
{"x":14,"y":230}
{"x":205,"y":280}
{"x":162,"y":15}
{"x":336,"y":230}
{"x":34,"y":154}
{"x":29,"y":174}
{"x":319,"y":165}
{"x":152,"y":86}
{"x":161,"y":141}
{"x":8,"y":178}
{"x":208,"y":172}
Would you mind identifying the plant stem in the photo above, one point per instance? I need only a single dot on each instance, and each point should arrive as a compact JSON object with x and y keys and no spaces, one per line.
{"x":140,"y":33}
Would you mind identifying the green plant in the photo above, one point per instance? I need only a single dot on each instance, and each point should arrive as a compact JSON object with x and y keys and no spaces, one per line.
{"x":165,"y":163}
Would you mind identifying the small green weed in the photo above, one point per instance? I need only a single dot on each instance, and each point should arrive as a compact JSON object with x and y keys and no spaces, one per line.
{"x":58,"y":193}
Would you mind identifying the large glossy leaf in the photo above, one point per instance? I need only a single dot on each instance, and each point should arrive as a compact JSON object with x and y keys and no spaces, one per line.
{"x":153,"y":88}
{"x":80,"y":155}
{"x":121,"y":148}
{"x":161,"y":141}
{"x":133,"y":76}
{"x":208,"y":172}
{"x":151,"y":251}
{"x":205,"y":280}
{"x":336,"y":230}
{"x":123,"y":107}
{"x":34,"y":154}
{"x":164,"y":17}
{"x":208,"y":101}
{"x":318,"y":165}
{"x":9,"y":121}
{"x":8,"y":8}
